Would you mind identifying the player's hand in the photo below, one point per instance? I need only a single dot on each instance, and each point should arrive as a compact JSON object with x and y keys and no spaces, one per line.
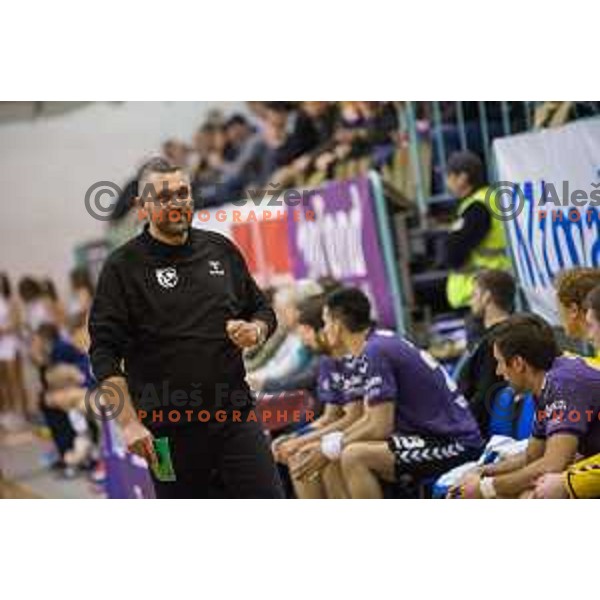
{"x":551,"y":485}
{"x":468,"y":488}
{"x":140,"y":441}
{"x":308,"y":462}
{"x":242,"y":333}
{"x":286,"y":448}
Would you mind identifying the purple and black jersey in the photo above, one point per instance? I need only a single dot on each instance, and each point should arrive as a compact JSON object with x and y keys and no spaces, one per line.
{"x":331,"y":381}
{"x":427,"y":400}
{"x":570,"y":403}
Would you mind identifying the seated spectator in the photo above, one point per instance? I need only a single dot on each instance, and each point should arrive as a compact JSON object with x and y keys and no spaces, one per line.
{"x":567,"y":393}
{"x":337,"y":413}
{"x":366,"y":130}
{"x":37,"y":305}
{"x":176,"y":153}
{"x":289,"y":133}
{"x":415,"y":424}
{"x":572,"y":288}
{"x":324,"y":117}
{"x":82,"y":292}
{"x":492,"y":302}
{"x":246,"y":166}
{"x":67,"y":377}
{"x":292,"y":359}
{"x":210,"y":143}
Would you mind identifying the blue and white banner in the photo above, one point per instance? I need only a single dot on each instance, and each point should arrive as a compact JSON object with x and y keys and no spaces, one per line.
{"x":553,"y":222}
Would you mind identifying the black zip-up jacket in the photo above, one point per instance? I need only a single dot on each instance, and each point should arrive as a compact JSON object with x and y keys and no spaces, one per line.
{"x":158,"y":318}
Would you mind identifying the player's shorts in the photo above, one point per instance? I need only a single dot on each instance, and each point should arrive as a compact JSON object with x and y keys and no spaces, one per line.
{"x":423,"y":457}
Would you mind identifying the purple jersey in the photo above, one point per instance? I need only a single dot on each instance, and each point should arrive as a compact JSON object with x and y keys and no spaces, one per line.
{"x":330,"y":381}
{"x":427,"y":400}
{"x":570,"y":403}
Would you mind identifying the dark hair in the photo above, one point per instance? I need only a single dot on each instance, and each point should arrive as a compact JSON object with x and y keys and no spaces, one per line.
{"x":29,"y":289}
{"x":529,"y":337}
{"x":5,"y":288}
{"x":310,"y":312}
{"x":49,"y":289}
{"x":154,"y":165}
{"x":352,"y":307}
{"x":501,"y":286}
{"x":469,"y":163}
{"x":237,"y":119}
{"x":48,"y":331}
{"x":329,"y":284}
{"x":281,"y":106}
{"x":80,"y":278}
{"x":592,"y":301}
{"x":573,"y":285}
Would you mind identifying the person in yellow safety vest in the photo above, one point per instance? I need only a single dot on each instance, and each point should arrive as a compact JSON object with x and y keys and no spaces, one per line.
{"x":477,"y":239}
{"x":582,"y":480}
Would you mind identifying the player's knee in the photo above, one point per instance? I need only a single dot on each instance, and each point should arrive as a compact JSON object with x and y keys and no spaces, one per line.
{"x":352,"y":457}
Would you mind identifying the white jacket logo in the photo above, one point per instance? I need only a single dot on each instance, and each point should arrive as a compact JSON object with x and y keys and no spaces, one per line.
{"x":215,"y":268}
{"x":167,"y":277}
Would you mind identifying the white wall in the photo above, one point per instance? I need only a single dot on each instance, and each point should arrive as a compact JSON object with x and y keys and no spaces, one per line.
{"x":47,"y":165}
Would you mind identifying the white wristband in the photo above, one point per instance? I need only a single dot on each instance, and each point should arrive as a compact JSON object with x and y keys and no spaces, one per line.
{"x":331,"y":444}
{"x":487,"y":489}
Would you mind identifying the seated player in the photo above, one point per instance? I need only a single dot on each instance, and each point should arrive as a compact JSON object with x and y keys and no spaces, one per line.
{"x":415,"y":421}
{"x":582,"y":480}
{"x":572,"y":288}
{"x":567,"y":394}
{"x":337,"y":413}
{"x":492,"y":302}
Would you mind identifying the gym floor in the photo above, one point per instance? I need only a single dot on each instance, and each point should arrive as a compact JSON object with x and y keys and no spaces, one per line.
{"x":24,"y":475}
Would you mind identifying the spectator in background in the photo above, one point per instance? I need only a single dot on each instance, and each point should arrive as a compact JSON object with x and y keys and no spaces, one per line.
{"x":324,"y":117}
{"x":567,"y":394}
{"x":245,"y":164}
{"x":37,"y":305}
{"x":82,"y":293}
{"x":366,"y":131}
{"x":289,"y":133}
{"x":492,"y":302}
{"x":13,"y":399}
{"x":572,"y":288}
{"x":210,"y":143}
{"x":176,"y":153}
{"x":57,"y":308}
{"x":477,"y":240}
{"x":67,"y":377}
{"x":292,"y":358}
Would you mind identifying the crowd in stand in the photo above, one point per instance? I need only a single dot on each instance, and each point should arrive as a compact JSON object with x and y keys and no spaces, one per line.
{"x":287,"y":143}
{"x":44,"y":368}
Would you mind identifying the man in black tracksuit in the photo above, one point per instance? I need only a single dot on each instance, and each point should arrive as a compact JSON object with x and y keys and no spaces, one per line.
{"x":173,"y":310}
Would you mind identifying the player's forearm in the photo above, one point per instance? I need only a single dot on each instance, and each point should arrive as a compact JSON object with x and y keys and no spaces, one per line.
{"x":508,"y":465}
{"x":342,"y":424}
{"x":368,"y":429}
{"x":512,"y":485}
